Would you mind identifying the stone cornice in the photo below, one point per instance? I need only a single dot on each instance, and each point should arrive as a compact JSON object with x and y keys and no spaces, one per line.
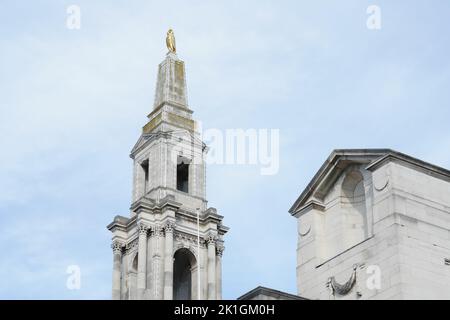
{"x":119,"y":223}
{"x":411,"y":162}
{"x":143,"y":204}
{"x":126,"y":224}
{"x":209,"y":215}
{"x":148,"y":205}
{"x":310,"y":205}
{"x":169,"y":103}
{"x":330,"y":171}
{"x":143,"y":141}
{"x":221,"y":229}
{"x":169,"y":203}
{"x":274,"y":294}
{"x":373,"y":158}
{"x":146,"y":138}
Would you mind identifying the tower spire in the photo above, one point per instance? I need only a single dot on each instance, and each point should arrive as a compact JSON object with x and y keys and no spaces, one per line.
{"x":170,"y":108}
{"x":171,"y":82}
{"x":154,"y":250}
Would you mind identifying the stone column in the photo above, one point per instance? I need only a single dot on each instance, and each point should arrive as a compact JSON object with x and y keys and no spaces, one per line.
{"x":158,"y":271}
{"x":168,"y":261}
{"x":152,"y":266}
{"x":219,"y":249}
{"x":142,"y":261}
{"x":117,"y":269}
{"x":211,"y":267}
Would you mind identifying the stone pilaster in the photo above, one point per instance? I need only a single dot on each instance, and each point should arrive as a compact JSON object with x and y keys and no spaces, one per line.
{"x":211,"y":266}
{"x":158,"y":263}
{"x":117,"y":269}
{"x":168,"y":261}
{"x":142,"y":260}
{"x":219,"y":250}
{"x":152,"y":265}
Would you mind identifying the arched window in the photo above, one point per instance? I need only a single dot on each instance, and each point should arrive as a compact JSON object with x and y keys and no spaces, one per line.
{"x":353,"y":204}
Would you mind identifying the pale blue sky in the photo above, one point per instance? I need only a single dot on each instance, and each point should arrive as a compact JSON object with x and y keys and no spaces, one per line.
{"x":72,"y":104}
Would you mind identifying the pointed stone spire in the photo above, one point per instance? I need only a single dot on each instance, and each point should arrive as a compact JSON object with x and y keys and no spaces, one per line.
{"x":170,"y":110}
{"x":171,"y":83}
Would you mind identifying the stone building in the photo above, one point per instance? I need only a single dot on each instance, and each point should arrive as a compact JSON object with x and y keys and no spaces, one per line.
{"x":170,"y":246}
{"x":374,"y":224}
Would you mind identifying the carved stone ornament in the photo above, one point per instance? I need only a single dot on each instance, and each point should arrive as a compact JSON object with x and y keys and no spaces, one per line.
{"x":132,"y":245}
{"x":342,"y":289}
{"x":188,"y":240}
{"x":117,"y":247}
{"x":305,"y":233}
{"x":211,"y":238}
{"x":169,"y":226}
{"x":143,"y":228}
{"x":219,"y":250}
{"x":158,"y":231}
{"x":381,"y":185}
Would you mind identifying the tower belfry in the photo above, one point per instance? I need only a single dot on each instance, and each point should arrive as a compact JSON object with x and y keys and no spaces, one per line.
{"x":155,"y":250}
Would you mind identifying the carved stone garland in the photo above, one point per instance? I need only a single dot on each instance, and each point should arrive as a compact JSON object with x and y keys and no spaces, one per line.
{"x":342,"y":289}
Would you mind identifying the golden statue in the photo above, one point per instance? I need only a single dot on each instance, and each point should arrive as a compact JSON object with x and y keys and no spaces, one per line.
{"x":170,"y":41}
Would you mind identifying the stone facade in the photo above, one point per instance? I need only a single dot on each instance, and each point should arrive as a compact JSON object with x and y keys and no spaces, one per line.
{"x":156,"y":252}
{"x":372,"y":215}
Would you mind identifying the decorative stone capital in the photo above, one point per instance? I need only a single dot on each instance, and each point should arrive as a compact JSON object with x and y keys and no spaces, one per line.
{"x":211,"y":238}
{"x":117,"y":247}
{"x":219,"y":250}
{"x":157,"y":230}
{"x":169,"y":226}
{"x":143,"y":228}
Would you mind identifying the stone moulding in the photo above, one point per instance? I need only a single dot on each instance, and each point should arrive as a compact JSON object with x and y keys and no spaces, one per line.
{"x":305,"y":233}
{"x":375,"y":158}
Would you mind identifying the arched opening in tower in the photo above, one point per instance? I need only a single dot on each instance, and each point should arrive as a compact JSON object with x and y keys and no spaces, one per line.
{"x":184,"y":266}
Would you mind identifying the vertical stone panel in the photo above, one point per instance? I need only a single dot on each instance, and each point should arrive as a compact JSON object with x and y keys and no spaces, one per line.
{"x":142,"y":261}
{"x":117,"y":270}
{"x":168,"y":262}
{"x":211,"y":267}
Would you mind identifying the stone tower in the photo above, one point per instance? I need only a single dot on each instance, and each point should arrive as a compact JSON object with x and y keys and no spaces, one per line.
{"x":156,"y":252}
{"x":374,"y":224}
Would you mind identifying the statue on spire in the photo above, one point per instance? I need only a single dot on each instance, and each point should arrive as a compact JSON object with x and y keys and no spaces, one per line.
{"x":170,"y":41}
